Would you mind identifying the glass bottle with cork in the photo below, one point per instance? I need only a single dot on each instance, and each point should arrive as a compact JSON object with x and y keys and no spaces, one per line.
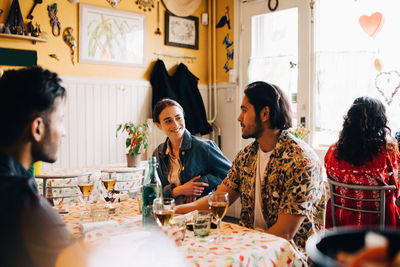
{"x":152,"y":189}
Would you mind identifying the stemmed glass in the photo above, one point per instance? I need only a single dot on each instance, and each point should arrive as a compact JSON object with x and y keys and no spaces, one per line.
{"x":109,"y":184}
{"x":86,"y":187}
{"x":218,"y":202}
{"x":163,"y":209}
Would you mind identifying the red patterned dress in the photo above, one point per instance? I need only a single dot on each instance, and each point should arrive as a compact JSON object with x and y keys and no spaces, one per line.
{"x":382,"y":170}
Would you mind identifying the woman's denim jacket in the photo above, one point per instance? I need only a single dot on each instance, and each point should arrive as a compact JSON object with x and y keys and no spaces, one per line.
{"x":198,"y":156}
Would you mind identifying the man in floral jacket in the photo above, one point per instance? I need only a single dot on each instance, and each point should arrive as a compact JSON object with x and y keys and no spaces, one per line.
{"x":278,"y":177}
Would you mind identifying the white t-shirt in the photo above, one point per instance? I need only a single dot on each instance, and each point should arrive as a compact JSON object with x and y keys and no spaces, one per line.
{"x":262,"y":161}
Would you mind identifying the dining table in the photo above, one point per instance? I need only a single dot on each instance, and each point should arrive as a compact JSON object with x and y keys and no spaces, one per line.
{"x":240,"y":246}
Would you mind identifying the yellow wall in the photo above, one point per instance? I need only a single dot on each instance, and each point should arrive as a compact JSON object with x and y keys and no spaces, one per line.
{"x":68,"y":16}
{"x":223,"y":76}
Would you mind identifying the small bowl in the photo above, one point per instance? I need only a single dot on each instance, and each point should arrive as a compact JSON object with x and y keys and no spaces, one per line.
{"x":323,"y":248}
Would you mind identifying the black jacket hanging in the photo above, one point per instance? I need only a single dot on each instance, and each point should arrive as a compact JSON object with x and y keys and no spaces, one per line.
{"x":161,"y":83}
{"x":188,"y":95}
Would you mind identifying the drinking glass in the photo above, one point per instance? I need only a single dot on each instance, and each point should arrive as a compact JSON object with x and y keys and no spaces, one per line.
{"x":86,"y":187}
{"x":163,"y":210}
{"x":218,"y":202}
{"x":109,"y":184}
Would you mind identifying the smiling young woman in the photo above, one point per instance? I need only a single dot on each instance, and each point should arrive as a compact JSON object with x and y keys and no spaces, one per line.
{"x":189,"y":166}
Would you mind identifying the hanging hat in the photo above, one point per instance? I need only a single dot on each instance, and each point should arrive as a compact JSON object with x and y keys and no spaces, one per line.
{"x":182,"y":8}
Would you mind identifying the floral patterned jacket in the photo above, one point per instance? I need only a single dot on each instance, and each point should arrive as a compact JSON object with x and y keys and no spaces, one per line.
{"x":293,"y":184}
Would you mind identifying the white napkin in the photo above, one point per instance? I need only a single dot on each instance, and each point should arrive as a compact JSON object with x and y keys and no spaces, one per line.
{"x":87,"y":227}
{"x":121,"y":197}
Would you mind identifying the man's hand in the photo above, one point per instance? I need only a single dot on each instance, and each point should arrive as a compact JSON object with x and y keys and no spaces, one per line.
{"x":190,"y":188}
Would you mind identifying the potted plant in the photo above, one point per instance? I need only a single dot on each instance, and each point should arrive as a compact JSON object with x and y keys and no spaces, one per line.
{"x":136,"y":142}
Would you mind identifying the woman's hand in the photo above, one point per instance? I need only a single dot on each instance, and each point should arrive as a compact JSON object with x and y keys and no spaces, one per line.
{"x":190,"y":188}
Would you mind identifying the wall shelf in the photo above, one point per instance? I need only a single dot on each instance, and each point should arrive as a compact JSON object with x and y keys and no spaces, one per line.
{"x":22,"y":37}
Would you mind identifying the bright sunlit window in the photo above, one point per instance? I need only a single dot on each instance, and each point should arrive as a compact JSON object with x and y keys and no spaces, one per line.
{"x":357,"y":53}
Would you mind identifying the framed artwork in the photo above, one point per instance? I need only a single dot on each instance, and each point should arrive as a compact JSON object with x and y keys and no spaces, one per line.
{"x":181,"y":31}
{"x":109,"y":36}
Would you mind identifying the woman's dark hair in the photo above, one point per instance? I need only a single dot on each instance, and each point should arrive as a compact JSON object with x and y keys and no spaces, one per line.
{"x":161,"y":105}
{"x":24,"y":95}
{"x":261,"y":94}
{"x":364,"y":131}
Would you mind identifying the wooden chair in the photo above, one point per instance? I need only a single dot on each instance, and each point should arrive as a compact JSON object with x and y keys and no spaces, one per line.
{"x":381,"y":199}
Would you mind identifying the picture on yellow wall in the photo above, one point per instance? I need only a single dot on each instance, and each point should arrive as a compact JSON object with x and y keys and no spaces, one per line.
{"x":181,"y":31}
{"x":109,"y":36}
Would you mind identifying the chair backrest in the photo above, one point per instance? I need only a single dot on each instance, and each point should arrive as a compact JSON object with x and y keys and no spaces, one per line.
{"x":380,"y":211}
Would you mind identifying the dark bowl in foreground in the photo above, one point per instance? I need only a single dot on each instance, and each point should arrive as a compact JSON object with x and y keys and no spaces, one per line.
{"x":323,"y":248}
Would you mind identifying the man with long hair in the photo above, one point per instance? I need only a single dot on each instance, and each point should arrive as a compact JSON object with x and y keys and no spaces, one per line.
{"x":363,"y":155}
{"x":278,"y":177}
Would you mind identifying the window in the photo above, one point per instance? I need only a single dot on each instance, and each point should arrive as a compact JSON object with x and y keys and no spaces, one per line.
{"x":351,"y":63}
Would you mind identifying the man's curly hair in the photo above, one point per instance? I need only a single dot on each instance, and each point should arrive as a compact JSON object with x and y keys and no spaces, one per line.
{"x":364,"y":131}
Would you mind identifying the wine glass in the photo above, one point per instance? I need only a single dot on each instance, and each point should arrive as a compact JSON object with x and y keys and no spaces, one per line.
{"x":163,"y":209}
{"x":86,"y":186}
{"x":218,"y":202}
{"x":109,"y":184}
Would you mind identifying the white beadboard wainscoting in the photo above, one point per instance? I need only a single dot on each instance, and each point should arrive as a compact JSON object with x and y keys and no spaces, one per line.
{"x":94,"y":108}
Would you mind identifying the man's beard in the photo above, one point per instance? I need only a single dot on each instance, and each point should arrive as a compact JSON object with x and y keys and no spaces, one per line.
{"x":258,"y":130}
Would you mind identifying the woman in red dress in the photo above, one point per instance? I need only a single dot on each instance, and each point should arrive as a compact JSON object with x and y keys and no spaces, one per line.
{"x":364,"y":156}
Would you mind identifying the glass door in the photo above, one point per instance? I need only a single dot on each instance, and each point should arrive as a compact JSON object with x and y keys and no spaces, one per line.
{"x":277,"y":50}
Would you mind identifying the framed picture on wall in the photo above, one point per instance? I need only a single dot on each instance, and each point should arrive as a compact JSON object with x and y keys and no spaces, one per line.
{"x":181,"y":31}
{"x":109,"y":36}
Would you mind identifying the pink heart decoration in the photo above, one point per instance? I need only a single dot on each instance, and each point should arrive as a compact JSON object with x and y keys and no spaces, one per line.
{"x":373,"y":24}
{"x":388,"y":84}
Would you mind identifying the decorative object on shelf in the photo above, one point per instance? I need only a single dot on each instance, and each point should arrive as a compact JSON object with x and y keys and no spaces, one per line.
{"x":33,"y":30}
{"x":33,"y":7}
{"x":109,"y":36}
{"x":385,"y":82}
{"x":114,"y":3}
{"x":226,"y":41}
{"x":373,"y":24}
{"x":181,"y":32}
{"x":54,"y":22}
{"x":300,"y":132}
{"x":138,"y":137}
{"x":158,"y":31}
{"x":147,"y":5}
{"x":69,"y":39}
{"x":54,"y":56}
{"x":182,"y":8}
{"x":224,"y":20}
{"x":15,"y":22}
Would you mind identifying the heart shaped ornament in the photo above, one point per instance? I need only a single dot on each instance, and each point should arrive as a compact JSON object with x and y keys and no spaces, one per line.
{"x":373,"y":24}
{"x":113,"y":3}
{"x":388,"y":84}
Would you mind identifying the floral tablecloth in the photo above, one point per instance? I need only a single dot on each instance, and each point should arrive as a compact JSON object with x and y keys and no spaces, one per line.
{"x":241,"y":246}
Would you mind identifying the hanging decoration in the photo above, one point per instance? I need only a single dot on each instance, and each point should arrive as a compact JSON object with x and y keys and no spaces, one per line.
{"x":373,"y":24}
{"x":226,"y":41}
{"x":229,"y":54}
{"x":54,"y":56}
{"x":54,"y":22}
{"x":69,"y":39}
{"x":270,"y":7}
{"x":15,"y":22}
{"x":224,"y":20}
{"x":378,"y":65}
{"x":113,"y":3}
{"x":158,"y":31}
{"x":147,"y":5}
{"x":385,"y":81}
{"x":182,"y":8}
{"x":33,"y":7}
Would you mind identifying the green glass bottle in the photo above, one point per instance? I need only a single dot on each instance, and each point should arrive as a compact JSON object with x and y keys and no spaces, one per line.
{"x":152,"y":189}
